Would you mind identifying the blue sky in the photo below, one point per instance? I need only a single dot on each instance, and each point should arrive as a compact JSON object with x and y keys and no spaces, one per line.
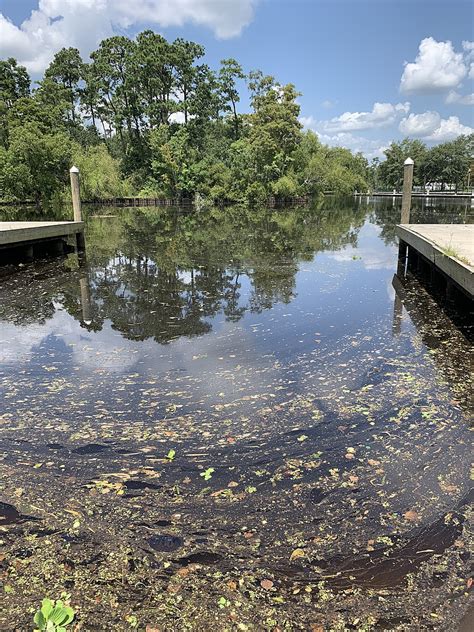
{"x":370,"y":71}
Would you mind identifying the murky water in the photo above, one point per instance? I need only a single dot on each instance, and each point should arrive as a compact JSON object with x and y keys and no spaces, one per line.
{"x":250,"y":396}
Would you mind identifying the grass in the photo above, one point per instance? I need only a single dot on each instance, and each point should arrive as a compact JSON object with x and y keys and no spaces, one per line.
{"x":449,"y":251}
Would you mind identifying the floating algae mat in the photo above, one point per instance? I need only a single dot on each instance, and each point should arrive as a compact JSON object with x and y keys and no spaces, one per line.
{"x":236,"y":420}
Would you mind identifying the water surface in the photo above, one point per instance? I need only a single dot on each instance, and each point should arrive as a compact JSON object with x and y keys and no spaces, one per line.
{"x":316,"y":408}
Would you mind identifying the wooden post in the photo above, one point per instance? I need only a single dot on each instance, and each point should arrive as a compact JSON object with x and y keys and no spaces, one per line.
{"x":76,"y":194}
{"x":407,"y":186}
{"x":85,"y":300}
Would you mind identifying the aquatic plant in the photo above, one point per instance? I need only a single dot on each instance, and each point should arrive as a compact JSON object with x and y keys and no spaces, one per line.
{"x":207,"y":474}
{"x":53,"y":616}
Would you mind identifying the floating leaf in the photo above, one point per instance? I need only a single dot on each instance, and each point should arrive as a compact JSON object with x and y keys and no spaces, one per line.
{"x":267,"y":584}
{"x":207,"y":474}
{"x":296,"y":554}
{"x":411,"y":515}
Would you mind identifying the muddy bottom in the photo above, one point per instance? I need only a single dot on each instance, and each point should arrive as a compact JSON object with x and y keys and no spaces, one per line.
{"x":236,"y":420}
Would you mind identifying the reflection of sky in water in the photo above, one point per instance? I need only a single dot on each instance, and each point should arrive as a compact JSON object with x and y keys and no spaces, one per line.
{"x":324,"y":360}
{"x":334,"y":295}
{"x":326,"y":417}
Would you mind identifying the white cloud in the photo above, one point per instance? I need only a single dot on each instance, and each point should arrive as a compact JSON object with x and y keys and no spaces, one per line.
{"x":371,"y":251}
{"x":430,"y":126}
{"x":469,"y":52}
{"x":449,"y":129}
{"x":370,"y":148}
{"x":420,"y":124}
{"x":308,"y":122}
{"x":381,"y":115}
{"x":328,"y":104}
{"x":455,"y":97}
{"x":83,"y":23}
{"x":468,"y":48}
{"x":437,"y":67}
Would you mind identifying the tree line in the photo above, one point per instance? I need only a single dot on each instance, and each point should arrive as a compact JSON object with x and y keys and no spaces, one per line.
{"x":146,"y":117}
{"x":444,"y":166}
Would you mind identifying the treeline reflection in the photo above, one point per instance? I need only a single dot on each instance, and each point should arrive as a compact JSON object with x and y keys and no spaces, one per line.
{"x":160,"y":274}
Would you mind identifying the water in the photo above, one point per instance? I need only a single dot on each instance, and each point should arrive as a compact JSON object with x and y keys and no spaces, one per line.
{"x":236,"y":386}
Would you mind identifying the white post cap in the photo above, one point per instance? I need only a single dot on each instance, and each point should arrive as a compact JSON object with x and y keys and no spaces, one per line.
{"x":408,"y":161}
{"x":73,"y":170}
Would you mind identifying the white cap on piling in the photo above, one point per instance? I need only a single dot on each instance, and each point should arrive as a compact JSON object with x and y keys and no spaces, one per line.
{"x":408,"y":161}
{"x":73,"y":170}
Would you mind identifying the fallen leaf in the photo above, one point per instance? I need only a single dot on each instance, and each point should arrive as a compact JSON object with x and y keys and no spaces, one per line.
{"x":267,"y":584}
{"x":296,"y":554}
{"x":446,"y":487}
{"x":411,"y":515}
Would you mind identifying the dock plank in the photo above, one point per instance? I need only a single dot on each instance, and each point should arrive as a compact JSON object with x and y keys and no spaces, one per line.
{"x":450,"y":247}
{"x":16,"y":233}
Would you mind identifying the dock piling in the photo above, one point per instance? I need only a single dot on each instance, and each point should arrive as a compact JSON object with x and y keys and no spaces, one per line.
{"x":76,"y":204}
{"x":407,"y":187}
{"x":76,"y":194}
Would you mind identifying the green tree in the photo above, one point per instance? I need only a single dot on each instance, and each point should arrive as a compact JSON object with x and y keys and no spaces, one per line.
{"x":274,"y":132}
{"x":184,"y":54}
{"x":448,"y":163}
{"x":14,"y":85}
{"x":67,"y":70}
{"x":155,"y":66}
{"x":391,"y":169}
{"x":100,"y":173}
{"x":35,"y":165}
{"x":229,"y":73}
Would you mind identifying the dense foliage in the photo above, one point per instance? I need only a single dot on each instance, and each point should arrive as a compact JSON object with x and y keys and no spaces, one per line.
{"x":442,"y":166}
{"x":146,"y":117}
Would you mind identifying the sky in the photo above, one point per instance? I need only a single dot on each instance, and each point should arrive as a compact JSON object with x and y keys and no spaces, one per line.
{"x":369,"y":71}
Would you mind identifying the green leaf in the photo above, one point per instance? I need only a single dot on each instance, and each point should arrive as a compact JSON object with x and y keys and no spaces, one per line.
{"x":57,"y":616}
{"x":39,"y":620}
{"x":61,"y":615}
{"x":69,"y":612}
{"x":207,"y":474}
{"x":46,"y":607}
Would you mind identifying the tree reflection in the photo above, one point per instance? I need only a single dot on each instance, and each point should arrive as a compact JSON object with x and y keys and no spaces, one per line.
{"x":161,"y":274}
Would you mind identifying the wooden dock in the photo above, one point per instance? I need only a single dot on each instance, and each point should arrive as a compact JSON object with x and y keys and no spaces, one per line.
{"x":448,"y":248}
{"x":28,"y":236}
{"x":439,"y":195}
